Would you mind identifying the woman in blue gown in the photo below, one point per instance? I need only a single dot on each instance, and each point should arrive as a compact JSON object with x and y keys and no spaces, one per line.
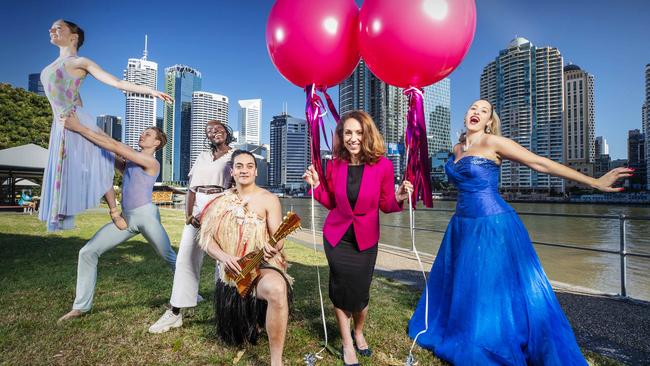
{"x":489,"y":301}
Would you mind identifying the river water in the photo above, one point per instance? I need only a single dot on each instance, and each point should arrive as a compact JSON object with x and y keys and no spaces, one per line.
{"x":592,"y":270}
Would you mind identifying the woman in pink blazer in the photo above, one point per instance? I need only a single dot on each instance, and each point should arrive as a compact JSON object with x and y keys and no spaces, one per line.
{"x":360,"y":182}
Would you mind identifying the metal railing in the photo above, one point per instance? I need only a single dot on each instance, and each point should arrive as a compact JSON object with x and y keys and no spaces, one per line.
{"x":621,"y":252}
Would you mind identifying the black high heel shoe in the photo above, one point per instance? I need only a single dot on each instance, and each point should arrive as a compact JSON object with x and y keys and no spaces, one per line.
{"x":343,"y":358}
{"x":363,"y":352}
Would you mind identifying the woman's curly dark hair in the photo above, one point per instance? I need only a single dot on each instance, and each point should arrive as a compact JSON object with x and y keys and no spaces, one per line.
{"x":230,"y":138}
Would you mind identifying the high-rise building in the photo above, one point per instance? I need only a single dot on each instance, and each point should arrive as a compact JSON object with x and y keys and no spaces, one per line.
{"x":600,"y":146}
{"x":438,"y":163}
{"x":34,"y":84}
{"x":388,"y":106}
{"x":618,"y":163}
{"x":290,"y":155}
{"x":250,"y":117}
{"x":437,"y":111}
{"x":525,"y":84}
{"x":636,"y":158}
{"x":159,"y":152}
{"x":602,"y":164}
{"x":111,"y":125}
{"x":645,"y":109}
{"x":267,"y":149}
{"x":180,"y":83}
{"x":205,"y":107}
{"x":602,"y":158}
{"x":355,"y":92}
{"x":140,"y":108}
{"x":579,"y":121}
{"x":645,"y":123}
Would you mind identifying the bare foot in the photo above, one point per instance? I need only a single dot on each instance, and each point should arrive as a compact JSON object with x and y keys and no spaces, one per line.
{"x":74,"y":313}
{"x":118,"y":220}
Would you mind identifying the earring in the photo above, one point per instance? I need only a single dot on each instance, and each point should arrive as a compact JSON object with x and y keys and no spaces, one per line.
{"x":488,"y":129}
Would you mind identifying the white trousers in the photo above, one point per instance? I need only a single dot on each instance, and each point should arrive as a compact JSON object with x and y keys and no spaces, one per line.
{"x":189,"y":261}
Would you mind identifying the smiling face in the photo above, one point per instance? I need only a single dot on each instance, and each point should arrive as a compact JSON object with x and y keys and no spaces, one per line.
{"x":61,"y":35}
{"x":148,"y":139}
{"x":216,"y":133}
{"x":478,"y":116}
{"x":244,"y":169}
{"x":352,"y":136}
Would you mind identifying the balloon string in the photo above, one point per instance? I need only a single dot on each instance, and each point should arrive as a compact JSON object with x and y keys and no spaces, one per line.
{"x":410,"y":359}
{"x":330,"y":104}
{"x":424,"y":276}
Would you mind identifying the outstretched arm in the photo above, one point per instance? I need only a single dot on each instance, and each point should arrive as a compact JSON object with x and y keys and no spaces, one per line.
{"x":98,"y":73}
{"x":147,"y":162}
{"x":508,"y":149}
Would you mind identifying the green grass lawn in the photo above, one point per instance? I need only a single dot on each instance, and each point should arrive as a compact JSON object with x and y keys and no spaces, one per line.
{"x":37,"y":284}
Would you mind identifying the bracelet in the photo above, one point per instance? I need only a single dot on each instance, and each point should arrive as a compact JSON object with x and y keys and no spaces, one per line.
{"x":189,"y":219}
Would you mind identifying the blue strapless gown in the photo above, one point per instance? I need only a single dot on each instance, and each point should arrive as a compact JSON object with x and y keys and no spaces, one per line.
{"x":490,"y":302}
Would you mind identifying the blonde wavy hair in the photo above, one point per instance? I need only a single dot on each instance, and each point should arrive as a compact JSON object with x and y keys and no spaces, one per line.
{"x":493,"y":128}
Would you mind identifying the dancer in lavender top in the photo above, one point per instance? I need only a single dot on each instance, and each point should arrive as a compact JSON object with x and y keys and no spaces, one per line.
{"x":140,"y":170}
{"x":78,"y":172}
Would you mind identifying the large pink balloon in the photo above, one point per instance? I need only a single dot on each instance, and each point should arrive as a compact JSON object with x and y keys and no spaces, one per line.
{"x":313,"y":41}
{"x":415,"y":42}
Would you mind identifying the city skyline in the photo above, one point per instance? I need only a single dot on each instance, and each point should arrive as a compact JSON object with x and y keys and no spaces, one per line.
{"x":248,"y":70}
{"x":524,"y":83}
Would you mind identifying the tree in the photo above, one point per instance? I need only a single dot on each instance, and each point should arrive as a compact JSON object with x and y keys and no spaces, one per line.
{"x":25,"y":118}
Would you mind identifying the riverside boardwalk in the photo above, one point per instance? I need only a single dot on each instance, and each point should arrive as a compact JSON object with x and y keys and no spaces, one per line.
{"x":37,"y":283}
{"x":608,"y":325}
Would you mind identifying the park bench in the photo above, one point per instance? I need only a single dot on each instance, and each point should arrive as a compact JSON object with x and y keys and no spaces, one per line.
{"x":12,"y":208}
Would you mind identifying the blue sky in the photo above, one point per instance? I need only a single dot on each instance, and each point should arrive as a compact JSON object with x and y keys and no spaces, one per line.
{"x":225,"y":41}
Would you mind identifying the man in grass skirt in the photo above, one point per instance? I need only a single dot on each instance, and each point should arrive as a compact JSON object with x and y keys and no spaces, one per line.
{"x":237,"y":222}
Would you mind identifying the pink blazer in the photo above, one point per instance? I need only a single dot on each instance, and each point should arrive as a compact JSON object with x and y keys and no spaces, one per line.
{"x":376,"y":192}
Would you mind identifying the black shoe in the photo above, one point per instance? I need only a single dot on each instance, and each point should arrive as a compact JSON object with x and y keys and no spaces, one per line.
{"x":363,"y":352}
{"x":343,"y":358}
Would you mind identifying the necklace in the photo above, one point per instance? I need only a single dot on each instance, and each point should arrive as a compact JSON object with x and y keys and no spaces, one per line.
{"x":467,"y":145}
